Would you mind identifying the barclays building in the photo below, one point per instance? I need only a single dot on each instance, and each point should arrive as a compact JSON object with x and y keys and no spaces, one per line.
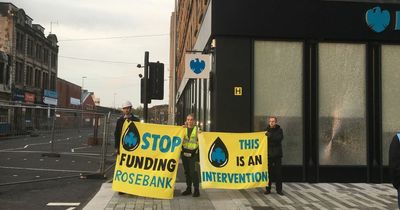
{"x":329,"y":70}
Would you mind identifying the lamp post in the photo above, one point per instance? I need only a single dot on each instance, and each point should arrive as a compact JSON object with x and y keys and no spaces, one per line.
{"x":83,"y":82}
{"x":145,"y":84}
{"x":114,"y":99}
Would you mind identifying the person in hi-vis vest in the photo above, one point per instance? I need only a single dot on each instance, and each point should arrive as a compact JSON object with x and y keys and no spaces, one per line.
{"x":190,"y":152}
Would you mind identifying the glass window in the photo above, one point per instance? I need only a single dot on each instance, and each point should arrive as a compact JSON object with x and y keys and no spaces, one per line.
{"x":390,"y":96}
{"x":342,"y":104}
{"x":278,"y":88}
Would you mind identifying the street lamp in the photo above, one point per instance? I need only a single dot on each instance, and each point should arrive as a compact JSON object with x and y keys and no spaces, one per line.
{"x":145,"y":84}
{"x":114,"y":99}
{"x":83,"y":82}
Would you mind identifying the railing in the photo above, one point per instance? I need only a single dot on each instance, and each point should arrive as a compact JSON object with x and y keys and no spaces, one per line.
{"x":56,"y":143}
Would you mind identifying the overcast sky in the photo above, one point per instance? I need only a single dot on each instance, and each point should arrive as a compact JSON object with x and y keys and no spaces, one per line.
{"x":94,"y":19}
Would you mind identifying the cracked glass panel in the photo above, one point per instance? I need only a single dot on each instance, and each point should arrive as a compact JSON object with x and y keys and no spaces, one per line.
{"x":278,"y":87}
{"x":390,"y":96}
{"x":342,"y":104}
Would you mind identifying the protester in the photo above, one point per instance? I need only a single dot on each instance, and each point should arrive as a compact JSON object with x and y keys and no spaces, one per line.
{"x":394,"y":164}
{"x":189,"y":156}
{"x":127,"y":115}
{"x":275,"y":137}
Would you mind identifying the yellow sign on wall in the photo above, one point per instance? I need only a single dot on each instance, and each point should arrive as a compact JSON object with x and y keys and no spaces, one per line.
{"x":233,"y":160}
{"x":148,"y":159}
{"x":237,"y":91}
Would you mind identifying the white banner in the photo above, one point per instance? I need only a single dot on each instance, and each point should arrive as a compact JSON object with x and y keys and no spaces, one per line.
{"x":50,"y":101}
{"x":197,"y":66}
{"x":75,"y":101}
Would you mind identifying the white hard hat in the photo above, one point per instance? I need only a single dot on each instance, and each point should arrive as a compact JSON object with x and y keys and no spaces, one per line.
{"x":126,"y":104}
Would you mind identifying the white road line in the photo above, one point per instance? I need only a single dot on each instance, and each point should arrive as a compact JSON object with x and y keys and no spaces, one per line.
{"x":80,"y":147}
{"x":71,"y":208}
{"x":63,"y":204}
{"x":44,"y":169}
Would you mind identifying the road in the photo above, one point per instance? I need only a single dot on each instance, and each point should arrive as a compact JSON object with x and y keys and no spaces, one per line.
{"x":22,"y":165}
{"x":22,"y":162}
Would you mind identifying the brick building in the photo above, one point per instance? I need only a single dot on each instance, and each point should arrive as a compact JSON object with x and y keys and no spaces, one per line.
{"x":28,"y":65}
{"x":68,"y":94}
{"x":186,"y":22}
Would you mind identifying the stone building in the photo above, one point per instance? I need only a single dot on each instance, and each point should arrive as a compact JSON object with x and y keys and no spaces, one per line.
{"x":28,"y":66}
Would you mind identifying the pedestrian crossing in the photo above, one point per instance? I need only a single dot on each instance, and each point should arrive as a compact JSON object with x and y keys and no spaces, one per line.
{"x":297,"y":196}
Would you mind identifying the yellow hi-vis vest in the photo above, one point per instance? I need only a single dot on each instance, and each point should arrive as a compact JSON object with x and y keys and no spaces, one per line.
{"x":191,"y":143}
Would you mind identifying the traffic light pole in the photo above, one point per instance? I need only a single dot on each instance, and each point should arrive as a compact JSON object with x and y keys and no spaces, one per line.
{"x":146,"y":68}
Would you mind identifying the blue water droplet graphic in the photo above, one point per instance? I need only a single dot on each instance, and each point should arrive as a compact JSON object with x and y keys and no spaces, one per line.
{"x":218,"y":154}
{"x":131,"y":138}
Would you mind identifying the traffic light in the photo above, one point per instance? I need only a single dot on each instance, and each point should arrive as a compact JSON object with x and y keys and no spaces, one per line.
{"x":156,"y":80}
{"x":142,"y":91}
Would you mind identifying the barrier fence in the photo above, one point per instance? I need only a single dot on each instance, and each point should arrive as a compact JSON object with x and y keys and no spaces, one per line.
{"x":55,"y":143}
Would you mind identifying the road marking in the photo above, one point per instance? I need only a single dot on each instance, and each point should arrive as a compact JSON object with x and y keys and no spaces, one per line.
{"x":45,"y":169}
{"x":92,"y":155}
{"x":15,"y":175}
{"x":80,"y":148}
{"x":63,"y":204}
{"x":71,"y":208}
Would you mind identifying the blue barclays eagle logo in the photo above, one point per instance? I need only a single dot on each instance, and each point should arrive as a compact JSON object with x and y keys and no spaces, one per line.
{"x":197,"y":66}
{"x":130,"y":140}
{"x":218,"y":156}
{"x":377,"y":19}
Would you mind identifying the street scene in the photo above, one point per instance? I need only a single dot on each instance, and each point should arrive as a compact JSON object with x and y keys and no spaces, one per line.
{"x":199,"y":104}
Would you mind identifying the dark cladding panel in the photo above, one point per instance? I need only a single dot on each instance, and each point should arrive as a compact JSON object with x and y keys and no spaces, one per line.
{"x":232,"y":113}
{"x":304,"y":19}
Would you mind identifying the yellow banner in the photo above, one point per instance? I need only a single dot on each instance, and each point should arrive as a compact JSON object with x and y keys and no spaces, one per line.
{"x":233,"y":160}
{"x":148,"y":159}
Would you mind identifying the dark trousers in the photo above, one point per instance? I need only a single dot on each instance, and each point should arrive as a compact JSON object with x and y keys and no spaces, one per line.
{"x":275,"y":173}
{"x":398,"y":197}
{"x":192,"y":176}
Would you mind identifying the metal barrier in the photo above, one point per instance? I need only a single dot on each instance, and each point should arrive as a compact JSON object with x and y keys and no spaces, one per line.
{"x":53,"y":141}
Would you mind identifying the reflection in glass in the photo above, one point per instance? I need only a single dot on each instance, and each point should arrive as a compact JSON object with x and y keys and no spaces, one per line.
{"x":278,"y":87}
{"x":342,"y":104}
{"x":390,"y":96}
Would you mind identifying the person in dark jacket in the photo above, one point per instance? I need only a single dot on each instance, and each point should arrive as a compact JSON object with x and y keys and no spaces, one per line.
{"x":127,"y":115}
{"x":394,"y":164}
{"x":275,"y":137}
{"x":126,"y":109}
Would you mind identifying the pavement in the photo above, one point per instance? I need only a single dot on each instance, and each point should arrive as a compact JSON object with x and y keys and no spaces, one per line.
{"x":296,"y":196}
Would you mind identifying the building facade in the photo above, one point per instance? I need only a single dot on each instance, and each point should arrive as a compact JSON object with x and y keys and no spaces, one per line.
{"x":28,"y":66}
{"x":327,"y":69}
{"x":158,"y":114}
{"x":68,"y":94}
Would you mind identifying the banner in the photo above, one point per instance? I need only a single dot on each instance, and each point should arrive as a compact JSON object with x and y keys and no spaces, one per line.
{"x":233,"y":160}
{"x":148,"y":159}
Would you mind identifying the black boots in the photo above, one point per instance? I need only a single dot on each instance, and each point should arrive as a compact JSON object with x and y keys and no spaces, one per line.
{"x":196,"y":193}
{"x":188,"y":191}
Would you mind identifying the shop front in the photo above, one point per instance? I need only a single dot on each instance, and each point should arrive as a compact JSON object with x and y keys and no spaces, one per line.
{"x":327,"y":69}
